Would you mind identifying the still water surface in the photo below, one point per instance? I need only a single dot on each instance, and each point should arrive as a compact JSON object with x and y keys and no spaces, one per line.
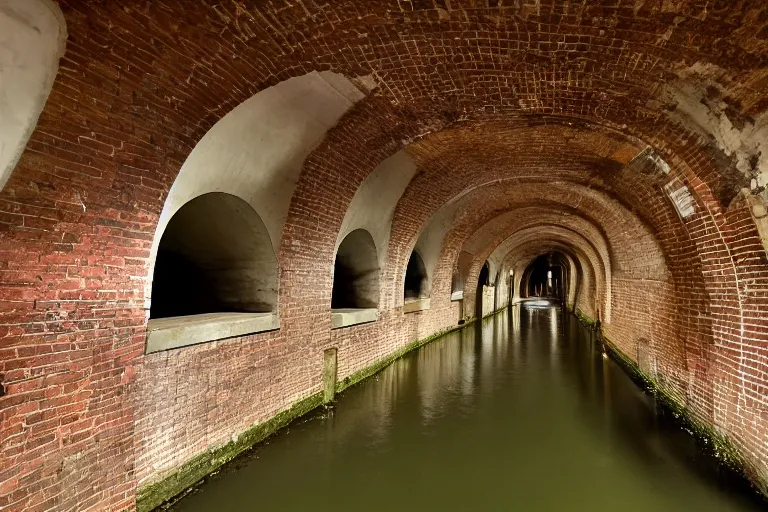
{"x":520,"y":413}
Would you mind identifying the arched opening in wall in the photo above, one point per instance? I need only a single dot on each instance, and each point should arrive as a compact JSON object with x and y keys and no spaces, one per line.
{"x":215,"y":256}
{"x":416,"y":285}
{"x":415,"y":278}
{"x":459,"y":277}
{"x":483,"y":284}
{"x":215,"y":275}
{"x":33,"y":39}
{"x":356,"y":273}
{"x":544,"y":277}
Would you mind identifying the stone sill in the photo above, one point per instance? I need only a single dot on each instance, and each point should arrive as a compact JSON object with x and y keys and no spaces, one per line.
{"x":457,"y":296}
{"x":413,"y":306}
{"x":347,"y":317}
{"x":182,"y":331}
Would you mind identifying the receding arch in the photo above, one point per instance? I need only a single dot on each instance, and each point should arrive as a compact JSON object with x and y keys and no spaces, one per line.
{"x":416,"y":284}
{"x":356,"y":273}
{"x":33,"y":39}
{"x":215,"y":256}
{"x":590,"y":246}
{"x":545,"y":276}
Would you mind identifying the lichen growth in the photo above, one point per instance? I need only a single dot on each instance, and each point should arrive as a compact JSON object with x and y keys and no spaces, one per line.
{"x":150,"y":496}
{"x":175,"y":482}
{"x":708,"y":439}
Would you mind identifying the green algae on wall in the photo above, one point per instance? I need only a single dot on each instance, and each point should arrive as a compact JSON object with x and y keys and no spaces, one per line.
{"x":178,"y":480}
{"x":379,"y":365}
{"x":711,"y":441}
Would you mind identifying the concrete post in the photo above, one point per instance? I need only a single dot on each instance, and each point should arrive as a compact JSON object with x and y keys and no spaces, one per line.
{"x":329,"y":374}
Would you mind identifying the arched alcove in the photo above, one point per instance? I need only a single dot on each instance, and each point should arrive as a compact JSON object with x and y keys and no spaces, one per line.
{"x":215,"y":275}
{"x":356,"y":273}
{"x":259,"y":161}
{"x":416,"y":281}
{"x":482,"y":298}
{"x":215,"y":256}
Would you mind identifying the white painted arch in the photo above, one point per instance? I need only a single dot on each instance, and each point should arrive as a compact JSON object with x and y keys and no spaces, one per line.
{"x":256,"y":151}
{"x":33,"y":36}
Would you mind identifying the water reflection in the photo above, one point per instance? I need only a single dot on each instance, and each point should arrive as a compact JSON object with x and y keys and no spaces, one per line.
{"x":517,"y":411}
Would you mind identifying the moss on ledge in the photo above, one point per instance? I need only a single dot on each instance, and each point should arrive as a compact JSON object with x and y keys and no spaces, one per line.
{"x":178,"y":480}
{"x":379,"y":365}
{"x":150,"y":496}
{"x":707,"y":438}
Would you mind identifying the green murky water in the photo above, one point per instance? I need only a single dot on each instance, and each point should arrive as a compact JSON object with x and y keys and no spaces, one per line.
{"x":519,"y":413}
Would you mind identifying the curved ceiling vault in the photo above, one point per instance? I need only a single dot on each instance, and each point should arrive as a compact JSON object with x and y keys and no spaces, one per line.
{"x":630,"y":136}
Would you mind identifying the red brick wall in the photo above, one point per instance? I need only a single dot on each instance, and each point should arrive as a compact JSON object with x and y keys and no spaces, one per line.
{"x":532,"y":95}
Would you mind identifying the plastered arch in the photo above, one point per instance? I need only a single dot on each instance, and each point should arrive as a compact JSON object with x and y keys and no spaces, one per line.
{"x":33,"y":36}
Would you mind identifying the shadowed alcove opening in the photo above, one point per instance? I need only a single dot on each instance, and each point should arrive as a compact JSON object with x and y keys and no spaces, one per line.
{"x":416,"y":280}
{"x":483,"y":281}
{"x":214,"y":256}
{"x":356,"y":273}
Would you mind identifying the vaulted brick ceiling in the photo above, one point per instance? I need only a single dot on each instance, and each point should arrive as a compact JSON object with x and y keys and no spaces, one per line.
{"x":546,"y":125}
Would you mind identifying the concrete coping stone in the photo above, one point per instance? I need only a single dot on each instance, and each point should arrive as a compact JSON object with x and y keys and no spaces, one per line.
{"x":182,"y":331}
{"x":415,"y":305}
{"x":352,"y":316}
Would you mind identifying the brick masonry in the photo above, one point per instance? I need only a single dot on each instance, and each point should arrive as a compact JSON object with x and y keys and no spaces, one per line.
{"x":535,"y":107}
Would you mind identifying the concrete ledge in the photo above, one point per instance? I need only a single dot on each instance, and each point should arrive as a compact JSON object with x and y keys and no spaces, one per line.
{"x":346,"y":317}
{"x":412,"y":306}
{"x":172,"y":483}
{"x":457,"y":295}
{"x":181,"y":331}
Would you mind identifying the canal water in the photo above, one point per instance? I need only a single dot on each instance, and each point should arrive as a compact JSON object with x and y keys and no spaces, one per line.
{"x":518,"y":412}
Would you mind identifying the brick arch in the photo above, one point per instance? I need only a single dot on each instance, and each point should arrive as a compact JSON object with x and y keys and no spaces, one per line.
{"x":533,"y":217}
{"x":139,"y":87}
{"x":582,"y":246}
{"x":575,"y":270}
{"x":542,"y":237}
{"x":484,"y":206}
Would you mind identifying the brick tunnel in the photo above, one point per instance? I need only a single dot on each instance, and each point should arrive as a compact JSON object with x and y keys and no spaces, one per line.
{"x":198,"y":195}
